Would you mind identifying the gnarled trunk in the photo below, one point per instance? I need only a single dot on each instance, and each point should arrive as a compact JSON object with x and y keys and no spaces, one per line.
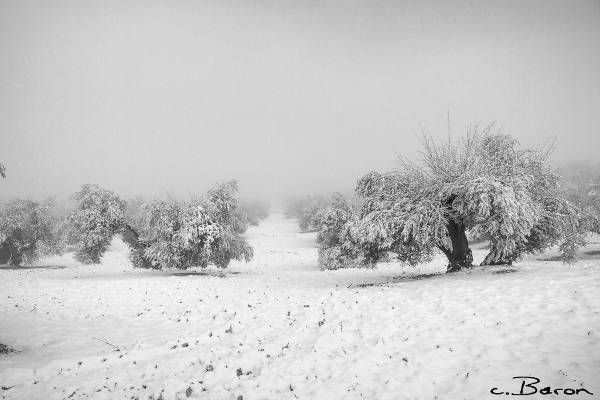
{"x":4,"y":253}
{"x":460,"y":256}
{"x":136,"y":247}
{"x":495,"y":258}
{"x":130,"y":236}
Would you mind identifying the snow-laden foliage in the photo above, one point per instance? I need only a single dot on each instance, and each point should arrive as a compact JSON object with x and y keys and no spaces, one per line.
{"x":28,"y":231}
{"x":242,"y":221}
{"x":337,"y":246}
{"x":99,"y":215}
{"x":205,"y":231}
{"x":483,"y":183}
{"x":224,"y":207}
{"x":2,"y":170}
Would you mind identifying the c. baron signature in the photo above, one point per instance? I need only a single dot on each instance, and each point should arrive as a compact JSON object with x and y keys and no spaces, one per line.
{"x":529,"y":386}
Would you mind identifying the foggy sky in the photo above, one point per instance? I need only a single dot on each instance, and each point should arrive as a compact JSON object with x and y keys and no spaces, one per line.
{"x":148,"y":97}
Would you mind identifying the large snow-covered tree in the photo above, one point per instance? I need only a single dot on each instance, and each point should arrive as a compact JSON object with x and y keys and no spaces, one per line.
{"x":28,"y":231}
{"x":483,"y":183}
{"x":99,"y":215}
{"x":172,"y":234}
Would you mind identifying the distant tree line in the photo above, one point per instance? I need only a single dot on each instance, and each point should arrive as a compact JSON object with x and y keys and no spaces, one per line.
{"x":306,"y":210}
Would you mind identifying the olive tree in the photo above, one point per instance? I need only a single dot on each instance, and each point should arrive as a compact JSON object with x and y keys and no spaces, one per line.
{"x":28,"y":231}
{"x":99,"y":215}
{"x":338,"y":247}
{"x":204,"y":231}
{"x":483,"y":183}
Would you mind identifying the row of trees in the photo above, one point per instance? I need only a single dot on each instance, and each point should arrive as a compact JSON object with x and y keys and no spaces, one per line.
{"x":161,"y":234}
{"x":307,"y":211}
{"x":482,"y":186}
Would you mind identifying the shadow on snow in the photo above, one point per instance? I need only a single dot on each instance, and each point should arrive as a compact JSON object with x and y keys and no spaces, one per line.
{"x":411,"y":278}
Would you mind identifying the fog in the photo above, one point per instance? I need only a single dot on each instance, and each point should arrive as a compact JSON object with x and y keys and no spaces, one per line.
{"x":289,"y":97}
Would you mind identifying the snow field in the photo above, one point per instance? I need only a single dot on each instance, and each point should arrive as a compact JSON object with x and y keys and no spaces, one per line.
{"x":279,"y":328}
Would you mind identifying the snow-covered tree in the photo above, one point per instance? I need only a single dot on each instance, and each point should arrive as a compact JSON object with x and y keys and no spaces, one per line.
{"x":180,"y":235}
{"x":242,"y":220}
{"x":2,"y":170}
{"x":224,"y":207}
{"x":227,"y":243}
{"x":99,"y":215}
{"x":338,"y":248}
{"x":28,"y":231}
{"x":482,"y":183}
{"x":156,"y":240}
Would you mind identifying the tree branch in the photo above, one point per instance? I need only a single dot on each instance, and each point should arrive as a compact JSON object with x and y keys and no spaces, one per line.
{"x":108,"y":343}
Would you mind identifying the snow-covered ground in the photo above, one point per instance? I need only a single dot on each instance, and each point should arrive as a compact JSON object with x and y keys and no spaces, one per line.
{"x":279,"y":328}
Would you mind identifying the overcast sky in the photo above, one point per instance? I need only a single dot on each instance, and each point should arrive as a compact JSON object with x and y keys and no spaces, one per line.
{"x":153,"y":97}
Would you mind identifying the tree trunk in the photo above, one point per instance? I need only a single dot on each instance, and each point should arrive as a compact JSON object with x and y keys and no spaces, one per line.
{"x":136,"y":247}
{"x":15,"y":259}
{"x":460,"y":256}
{"x":493,"y":258}
{"x":130,"y":236}
{"x":4,"y":253}
{"x":10,"y":254}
